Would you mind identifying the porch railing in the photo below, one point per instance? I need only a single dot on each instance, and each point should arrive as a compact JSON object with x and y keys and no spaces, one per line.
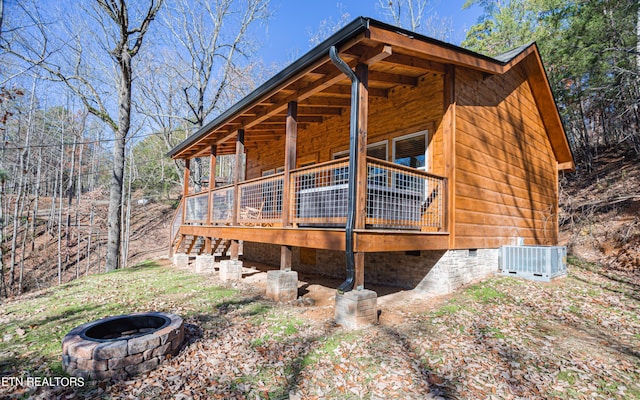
{"x":177,"y":221}
{"x":398,"y":197}
{"x":320,"y":194}
{"x":197,"y":208}
{"x":261,"y":201}
{"x":222,"y":205}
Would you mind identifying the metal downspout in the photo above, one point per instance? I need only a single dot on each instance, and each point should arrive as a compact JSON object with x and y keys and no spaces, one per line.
{"x":347,"y":285}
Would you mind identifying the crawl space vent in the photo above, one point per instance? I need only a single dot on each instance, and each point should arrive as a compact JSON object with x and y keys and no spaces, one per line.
{"x":540,"y":263}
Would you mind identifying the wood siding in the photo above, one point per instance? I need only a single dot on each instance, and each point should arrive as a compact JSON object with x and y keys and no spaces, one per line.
{"x":505,"y":169}
{"x":406,"y":110}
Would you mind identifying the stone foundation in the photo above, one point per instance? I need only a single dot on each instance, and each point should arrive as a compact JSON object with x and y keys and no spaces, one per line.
{"x":356,"y":309}
{"x":205,"y":263}
{"x":282,"y":286}
{"x":436,"y":272}
{"x":230,"y":270}
{"x":181,"y":260}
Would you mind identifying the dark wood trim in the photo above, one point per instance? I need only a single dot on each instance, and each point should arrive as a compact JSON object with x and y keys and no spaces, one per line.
{"x":366,"y":240}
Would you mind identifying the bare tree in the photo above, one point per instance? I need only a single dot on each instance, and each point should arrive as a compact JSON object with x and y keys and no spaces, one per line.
{"x":118,"y":34}
{"x":211,"y":39}
{"x":329,"y":26}
{"x":1,"y":14}
{"x":405,"y":13}
{"x":417,"y":16}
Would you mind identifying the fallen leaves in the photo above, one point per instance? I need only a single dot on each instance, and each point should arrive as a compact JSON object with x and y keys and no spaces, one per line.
{"x":576,"y":338}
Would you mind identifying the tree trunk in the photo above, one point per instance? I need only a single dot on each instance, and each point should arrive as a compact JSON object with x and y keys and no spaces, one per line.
{"x":2,"y":191}
{"x":70,"y":196}
{"x":114,"y":220}
{"x":86,"y":272}
{"x":78,"y":194}
{"x":60,"y":211}
{"x":127,"y":230}
{"x":34,"y":220}
{"x":23,"y":254}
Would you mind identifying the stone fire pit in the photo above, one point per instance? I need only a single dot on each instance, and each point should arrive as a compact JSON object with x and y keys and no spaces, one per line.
{"x":121,"y":346}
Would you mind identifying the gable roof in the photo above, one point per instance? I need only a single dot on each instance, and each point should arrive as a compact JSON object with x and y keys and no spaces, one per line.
{"x":321,"y":90}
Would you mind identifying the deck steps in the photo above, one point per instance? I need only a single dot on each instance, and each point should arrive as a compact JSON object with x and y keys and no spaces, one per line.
{"x":195,"y":245}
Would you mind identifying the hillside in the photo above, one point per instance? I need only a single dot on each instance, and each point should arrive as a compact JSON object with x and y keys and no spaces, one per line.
{"x":600,"y":213}
{"x":148,"y":239}
{"x":599,"y":217}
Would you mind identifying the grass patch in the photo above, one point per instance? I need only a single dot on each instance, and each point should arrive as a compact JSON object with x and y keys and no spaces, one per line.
{"x":33,"y":327}
{"x":574,"y":309}
{"x":328,"y":347}
{"x":567,"y":376}
{"x":483,"y":293}
{"x":447,"y":309}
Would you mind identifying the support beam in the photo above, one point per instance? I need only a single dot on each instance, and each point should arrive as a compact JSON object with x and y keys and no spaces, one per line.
{"x":289,"y":163}
{"x":212,"y":185}
{"x":376,"y":54}
{"x":235,"y":245}
{"x":236,"y":176}
{"x":362,"y":71}
{"x":290,"y":154}
{"x":185,"y":186}
{"x":449,"y":133}
{"x":286,"y":255}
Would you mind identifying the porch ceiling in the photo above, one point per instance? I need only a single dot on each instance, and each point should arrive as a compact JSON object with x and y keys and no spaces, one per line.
{"x":321,"y":91}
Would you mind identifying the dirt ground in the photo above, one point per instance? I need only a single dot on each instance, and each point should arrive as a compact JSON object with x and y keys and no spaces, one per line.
{"x":316,"y":294}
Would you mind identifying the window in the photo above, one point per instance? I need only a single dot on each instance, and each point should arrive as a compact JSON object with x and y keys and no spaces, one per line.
{"x":411,"y":150}
{"x":375,"y":150}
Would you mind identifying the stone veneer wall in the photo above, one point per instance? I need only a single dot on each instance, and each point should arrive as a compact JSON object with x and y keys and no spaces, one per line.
{"x":436,"y":272}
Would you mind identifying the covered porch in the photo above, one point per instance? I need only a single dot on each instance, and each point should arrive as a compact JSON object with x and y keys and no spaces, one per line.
{"x":404,"y":210}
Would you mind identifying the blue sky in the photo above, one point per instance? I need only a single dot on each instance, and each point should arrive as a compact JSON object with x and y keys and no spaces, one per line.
{"x":288,"y":32}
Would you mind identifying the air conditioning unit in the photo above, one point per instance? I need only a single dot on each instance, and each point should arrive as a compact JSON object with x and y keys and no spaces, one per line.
{"x":540,"y":263}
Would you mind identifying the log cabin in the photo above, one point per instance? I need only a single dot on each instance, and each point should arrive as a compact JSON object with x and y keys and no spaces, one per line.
{"x":384,"y":156}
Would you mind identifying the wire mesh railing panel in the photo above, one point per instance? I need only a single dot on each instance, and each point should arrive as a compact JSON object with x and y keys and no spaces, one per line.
{"x":197,"y":208}
{"x":177,"y":221}
{"x":320,"y":194}
{"x":222,"y":205}
{"x":261,"y":201}
{"x":402,"y":198}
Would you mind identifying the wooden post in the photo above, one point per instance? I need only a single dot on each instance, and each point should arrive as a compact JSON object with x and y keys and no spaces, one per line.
{"x":236,"y":193}
{"x":362,"y":71}
{"x":185,"y":187}
{"x":212,"y":185}
{"x":449,"y":133}
{"x":289,"y":162}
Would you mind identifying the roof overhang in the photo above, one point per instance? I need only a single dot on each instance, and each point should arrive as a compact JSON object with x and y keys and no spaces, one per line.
{"x":396,"y":57}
